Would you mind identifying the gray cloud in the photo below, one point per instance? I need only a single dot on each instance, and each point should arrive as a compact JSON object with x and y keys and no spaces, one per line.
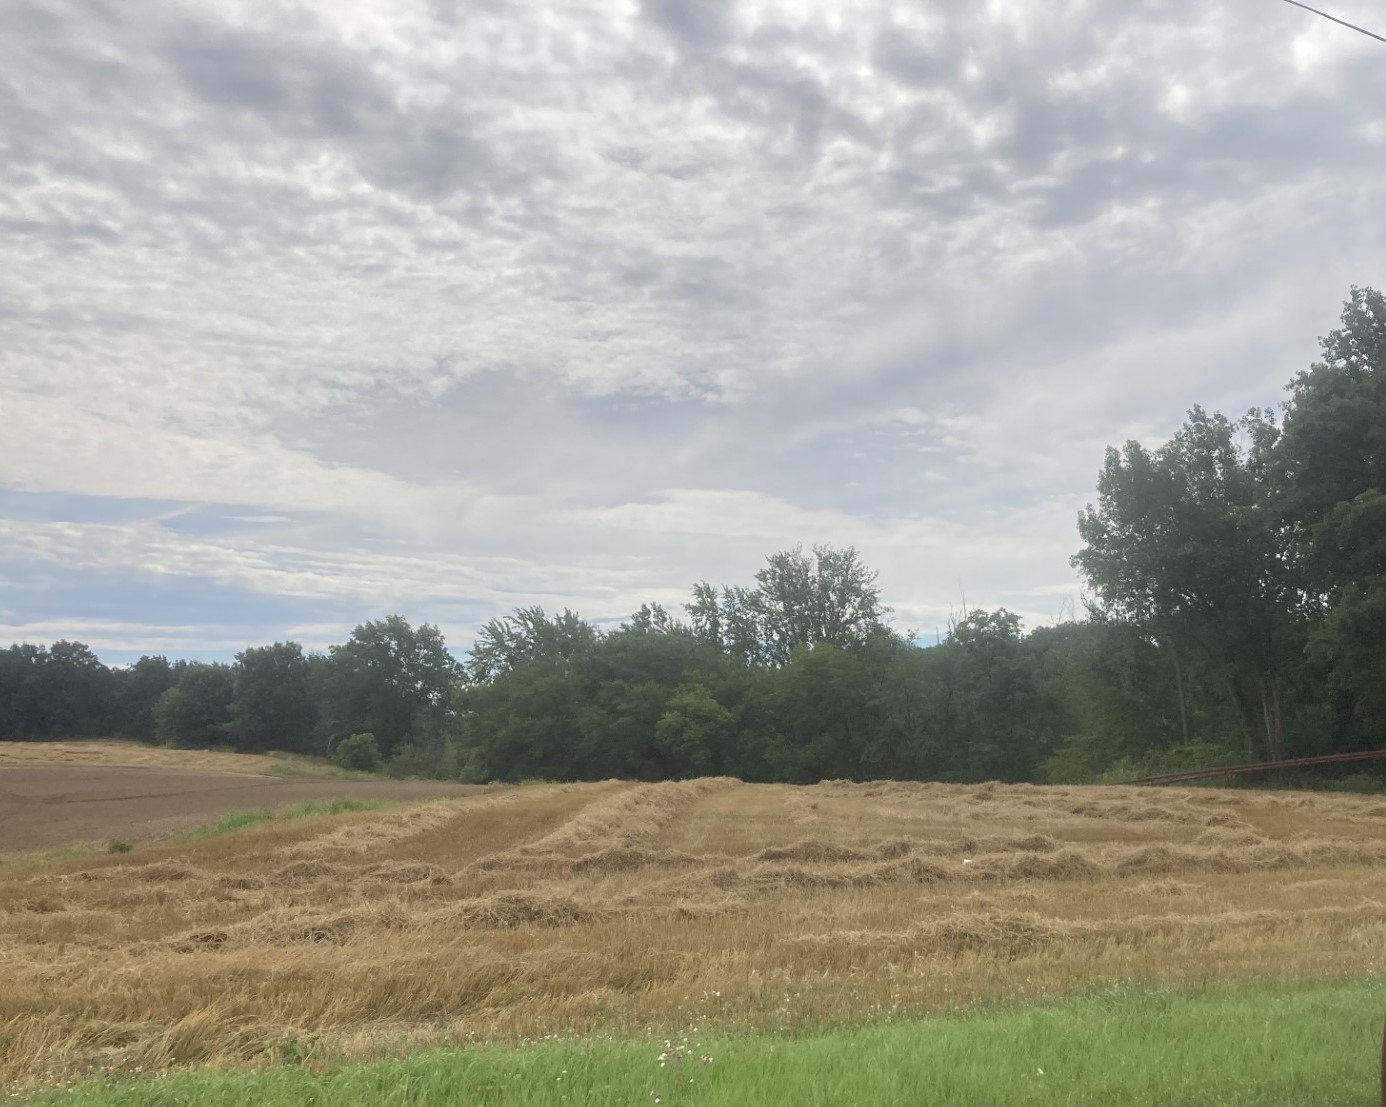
{"x":697,"y":27}
{"x":549,"y":284}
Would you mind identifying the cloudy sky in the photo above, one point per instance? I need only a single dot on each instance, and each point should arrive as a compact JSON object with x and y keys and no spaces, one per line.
{"x":313,"y":312}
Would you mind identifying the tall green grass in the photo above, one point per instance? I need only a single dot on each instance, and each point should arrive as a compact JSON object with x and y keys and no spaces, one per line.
{"x":1312,"y":1048}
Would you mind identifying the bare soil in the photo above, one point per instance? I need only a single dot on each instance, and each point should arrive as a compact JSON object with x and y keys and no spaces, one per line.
{"x":46,"y":806}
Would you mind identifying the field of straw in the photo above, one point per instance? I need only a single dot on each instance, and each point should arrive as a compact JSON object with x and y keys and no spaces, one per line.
{"x":109,"y":751}
{"x":622,"y":909}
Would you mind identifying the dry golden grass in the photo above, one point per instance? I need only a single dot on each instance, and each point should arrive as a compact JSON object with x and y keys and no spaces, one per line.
{"x":619,"y":908}
{"x":110,"y":751}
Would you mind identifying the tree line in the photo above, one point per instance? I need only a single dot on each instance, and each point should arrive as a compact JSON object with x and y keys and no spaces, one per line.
{"x":1236,"y":610}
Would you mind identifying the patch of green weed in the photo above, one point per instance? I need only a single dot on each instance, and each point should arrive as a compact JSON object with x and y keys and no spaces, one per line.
{"x":1316,"y":1047}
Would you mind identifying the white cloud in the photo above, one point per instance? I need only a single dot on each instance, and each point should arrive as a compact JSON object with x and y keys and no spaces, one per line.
{"x":124,"y":636}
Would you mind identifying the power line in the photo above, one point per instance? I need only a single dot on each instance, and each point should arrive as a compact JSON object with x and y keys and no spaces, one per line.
{"x":1335,"y":19}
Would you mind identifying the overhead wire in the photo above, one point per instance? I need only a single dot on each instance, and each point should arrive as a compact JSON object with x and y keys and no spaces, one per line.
{"x":1335,"y":19}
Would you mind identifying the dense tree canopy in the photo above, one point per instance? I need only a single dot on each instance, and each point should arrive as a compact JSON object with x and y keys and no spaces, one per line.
{"x":197,"y":710}
{"x":273,"y":707}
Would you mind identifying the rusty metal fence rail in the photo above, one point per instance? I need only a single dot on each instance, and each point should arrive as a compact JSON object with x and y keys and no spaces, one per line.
{"x":1261,"y":767}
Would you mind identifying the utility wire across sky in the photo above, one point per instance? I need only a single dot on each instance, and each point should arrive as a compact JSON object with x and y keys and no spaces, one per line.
{"x":1335,"y":19}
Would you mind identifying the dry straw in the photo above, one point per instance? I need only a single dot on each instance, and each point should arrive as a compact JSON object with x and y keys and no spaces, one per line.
{"x":617,"y":908}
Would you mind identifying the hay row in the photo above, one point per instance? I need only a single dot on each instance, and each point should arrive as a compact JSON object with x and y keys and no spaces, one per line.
{"x":630,"y":820}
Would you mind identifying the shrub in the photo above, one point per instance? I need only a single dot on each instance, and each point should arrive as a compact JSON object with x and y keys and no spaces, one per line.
{"x":414,"y":761}
{"x":359,"y":752}
{"x":294,"y":1050}
{"x":1175,"y":759}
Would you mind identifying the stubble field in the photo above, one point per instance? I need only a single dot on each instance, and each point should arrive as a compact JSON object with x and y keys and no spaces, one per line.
{"x":707,"y":906}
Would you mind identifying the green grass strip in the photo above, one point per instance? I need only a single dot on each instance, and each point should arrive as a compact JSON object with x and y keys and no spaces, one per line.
{"x":238,"y":820}
{"x":1316,"y":1047}
{"x":10,"y":862}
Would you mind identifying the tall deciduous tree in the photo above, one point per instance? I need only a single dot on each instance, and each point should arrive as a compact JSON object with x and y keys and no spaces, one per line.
{"x":1333,"y":445}
{"x":529,"y":634}
{"x":23,"y":714}
{"x":997,"y":702}
{"x":274,"y":706}
{"x":828,"y":597}
{"x":1331,"y":460}
{"x":388,"y":679}
{"x":1184,"y":542}
{"x":135,"y":692}
{"x":197,"y":710}
{"x":76,"y":689}
{"x":694,"y":731}
{"x":57,"y":691}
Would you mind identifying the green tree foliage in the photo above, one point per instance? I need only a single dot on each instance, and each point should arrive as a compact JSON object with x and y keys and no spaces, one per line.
{"x":1252,"y":555}
{"x":274,"y":707}
{"x":824,"y":705}
{"x":1333,"y":445}
{"x":1348,"y":645}
{"x":23,"y":713}
{"x":828,"y":597}
{"x":61,"y":690}
{"x":389,"y":679}
{"x":358,"y":752}
{"x":1331,"y":461}
{"x":572,"y":703}
{"x":656,"y":700}
{"x":998,"y":703}
{"x":527,"y":636}
{"x":74,"y":687}
{"x":1183,"y":543}
{"x":197,"y":711}
{"x":522,"y":724}
{"x":134,"y":692}
{"x":694,"y":731}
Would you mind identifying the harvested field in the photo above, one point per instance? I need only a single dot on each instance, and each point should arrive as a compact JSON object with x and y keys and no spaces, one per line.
{"x":46,"y":806}
{"x":705,"y":905}
{"x":109,"y":751}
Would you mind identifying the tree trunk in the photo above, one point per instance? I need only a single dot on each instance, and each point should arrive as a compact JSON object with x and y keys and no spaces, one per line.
{"x":1241,"y":696}
{"x":1270,"y":711}
{"x":1179,"y":689}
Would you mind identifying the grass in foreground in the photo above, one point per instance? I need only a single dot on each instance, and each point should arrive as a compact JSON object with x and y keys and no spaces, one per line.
{"x":1317,"y":1048}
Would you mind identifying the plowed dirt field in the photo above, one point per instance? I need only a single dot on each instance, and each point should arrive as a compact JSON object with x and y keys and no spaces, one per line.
{"x":46,"y":806}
